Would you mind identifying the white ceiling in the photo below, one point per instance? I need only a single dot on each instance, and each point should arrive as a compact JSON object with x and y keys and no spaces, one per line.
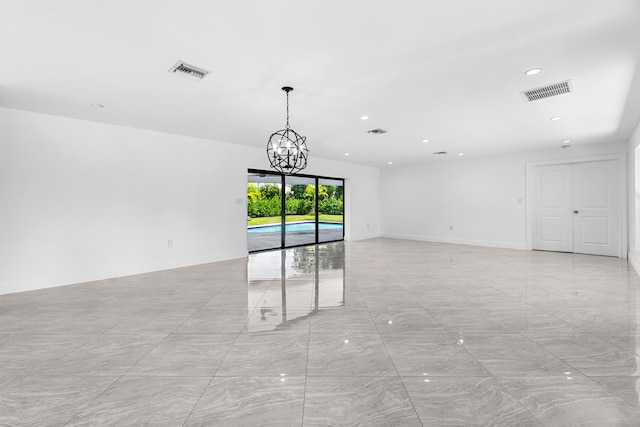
{"x":449,"y":71}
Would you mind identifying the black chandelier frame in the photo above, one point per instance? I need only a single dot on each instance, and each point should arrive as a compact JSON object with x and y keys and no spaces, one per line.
{"x":287,"y":150}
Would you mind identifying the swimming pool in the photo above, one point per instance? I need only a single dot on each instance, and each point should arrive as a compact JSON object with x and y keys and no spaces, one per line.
{"x":294,"y":226}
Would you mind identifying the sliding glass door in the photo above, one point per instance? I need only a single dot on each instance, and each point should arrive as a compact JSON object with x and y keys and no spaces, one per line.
{"x":264,"y":211}
{"x":330,"y":209}
{"x":293,"y":210}
{"x":300,"y":209}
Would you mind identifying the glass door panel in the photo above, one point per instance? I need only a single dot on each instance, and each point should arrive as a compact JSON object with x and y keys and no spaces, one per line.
{"x":330,"y":209}
{"x":285,"y":211}
{"x":264,"y":211}
{"x":300,"y":215}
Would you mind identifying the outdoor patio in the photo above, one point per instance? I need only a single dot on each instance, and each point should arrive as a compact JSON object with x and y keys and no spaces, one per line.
{"x":257,"y":241}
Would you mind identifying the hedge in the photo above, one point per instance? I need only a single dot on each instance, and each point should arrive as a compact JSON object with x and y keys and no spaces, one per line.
{"x":273,"y":207}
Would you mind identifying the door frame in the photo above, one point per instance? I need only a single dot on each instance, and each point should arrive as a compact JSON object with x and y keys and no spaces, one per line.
{"x":621,"y":159}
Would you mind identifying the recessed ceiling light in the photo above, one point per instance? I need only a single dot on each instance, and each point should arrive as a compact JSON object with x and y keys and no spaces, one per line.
{"x":364,"y":118}
{"x":553,"y":119}
{"x":566,"y":141}
{"x":346,"y":154}
{"x":460,"y":154}
{"x":425,"y":140}
{"x":96,"y":105}
{"x":533,"y":71}
{"x":390,"y":163}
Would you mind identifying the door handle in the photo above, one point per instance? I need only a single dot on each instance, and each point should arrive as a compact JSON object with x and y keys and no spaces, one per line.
{"x":575,"y":212}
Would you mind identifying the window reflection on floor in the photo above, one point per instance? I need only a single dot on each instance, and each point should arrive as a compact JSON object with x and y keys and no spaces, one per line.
{"x":287,"y":286}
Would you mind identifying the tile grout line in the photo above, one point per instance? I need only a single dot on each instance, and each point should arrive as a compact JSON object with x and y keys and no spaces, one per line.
{"x":252,"y":310}
{"x":118,"y":378}
{"x":404,"y":387}
{"x":306,"y":373}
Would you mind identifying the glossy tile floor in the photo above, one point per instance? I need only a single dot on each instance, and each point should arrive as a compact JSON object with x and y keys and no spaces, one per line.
{"x":379,"y":332}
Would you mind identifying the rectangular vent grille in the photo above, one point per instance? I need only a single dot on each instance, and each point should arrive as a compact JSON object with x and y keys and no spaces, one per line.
{"x":377,"y":131}
{"x":548,"y":91}
{"x":189,"y":70}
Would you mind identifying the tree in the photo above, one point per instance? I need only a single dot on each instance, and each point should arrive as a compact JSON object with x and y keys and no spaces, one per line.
{"x":331,"y":191}
{"x":322,"y":192}
{"x":335,"y":191}
{"x":298,"y":190}
{"x":253,"y":193}
{"x":310,"y":192}
{"x":269,"y":191}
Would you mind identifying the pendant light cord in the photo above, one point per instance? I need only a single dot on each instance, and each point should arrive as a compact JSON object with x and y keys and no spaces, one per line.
{"x":287,"y":109}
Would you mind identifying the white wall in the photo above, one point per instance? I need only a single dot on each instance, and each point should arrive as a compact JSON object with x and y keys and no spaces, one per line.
{"x":633,"y":190}
{"x":482,"y":198}
{"x":82,"y":201}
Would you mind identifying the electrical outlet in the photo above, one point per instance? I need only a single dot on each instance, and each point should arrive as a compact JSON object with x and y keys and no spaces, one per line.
{"x":239,"y":201}
{"x":451,"y":228}
{"x":169,"y":243}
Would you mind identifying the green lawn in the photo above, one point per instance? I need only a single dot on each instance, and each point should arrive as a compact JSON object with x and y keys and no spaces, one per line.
{"x":293,"y":218}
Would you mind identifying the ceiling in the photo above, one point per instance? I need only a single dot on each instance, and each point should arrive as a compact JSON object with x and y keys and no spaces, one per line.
{"x":446,"y":71}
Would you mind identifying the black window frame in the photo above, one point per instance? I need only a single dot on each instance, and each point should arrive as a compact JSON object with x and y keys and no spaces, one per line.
{"x":283,"y":213}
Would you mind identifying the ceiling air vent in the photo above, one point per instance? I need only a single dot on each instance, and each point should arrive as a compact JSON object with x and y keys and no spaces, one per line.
{"x":547,"y":91}
{"x":189,"y":70}
{"x":377,"y":131}
{"x":439,"y":153}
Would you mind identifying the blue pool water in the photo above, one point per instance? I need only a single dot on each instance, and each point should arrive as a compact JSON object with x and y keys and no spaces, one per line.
{"x":296,"y":226}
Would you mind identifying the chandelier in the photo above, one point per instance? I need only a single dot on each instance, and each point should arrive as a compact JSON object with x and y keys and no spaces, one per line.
{"x":287,"y":150}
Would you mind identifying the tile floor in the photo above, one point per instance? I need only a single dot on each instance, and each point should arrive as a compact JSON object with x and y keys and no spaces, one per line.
{"x":380,"y":332}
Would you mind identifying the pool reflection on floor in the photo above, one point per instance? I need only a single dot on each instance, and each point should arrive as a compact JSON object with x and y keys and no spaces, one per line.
{"x":285,"y":287}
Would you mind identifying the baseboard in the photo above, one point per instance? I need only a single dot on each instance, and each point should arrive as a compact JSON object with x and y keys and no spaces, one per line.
{"x":114,"y":272}
{"x":485,"y":243}
{"x":634,"y":261}
{"x":363,"y":237}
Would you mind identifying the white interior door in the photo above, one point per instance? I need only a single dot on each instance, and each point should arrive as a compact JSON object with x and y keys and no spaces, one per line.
{"x":595,"y":208}
{"x":575,"y":208}
{"x":552,"y":218}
